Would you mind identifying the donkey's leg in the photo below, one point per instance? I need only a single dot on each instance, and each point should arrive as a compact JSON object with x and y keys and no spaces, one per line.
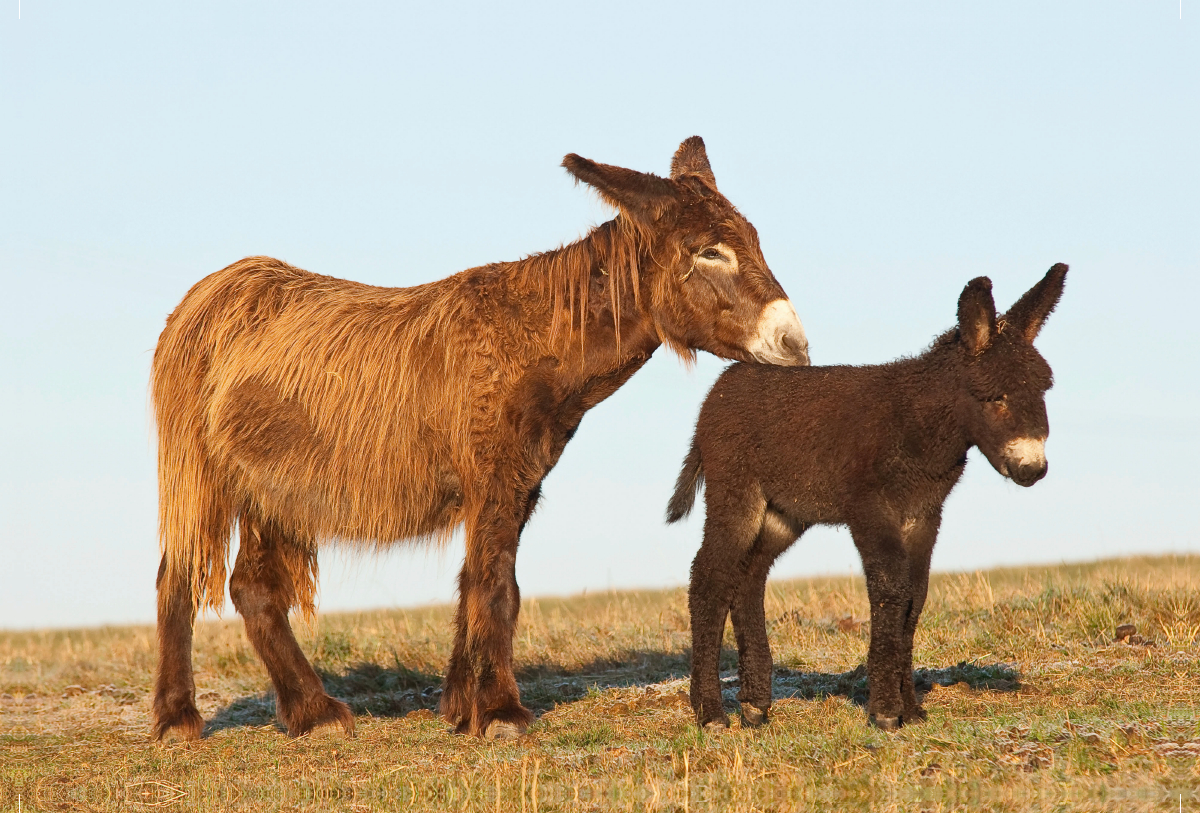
{"x":481,"y":695}
{"x":731,"y":524}
{"x":749,"y":619}
{"x":458,"y":689}
{"x":458,"y":704}
{"x":919,"y":542}
{"x":175,"y":713}
{"x":263,"y":588}
{"x":885,"y":565}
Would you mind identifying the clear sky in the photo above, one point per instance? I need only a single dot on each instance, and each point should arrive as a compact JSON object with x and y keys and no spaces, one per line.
{"x":887,"y":153}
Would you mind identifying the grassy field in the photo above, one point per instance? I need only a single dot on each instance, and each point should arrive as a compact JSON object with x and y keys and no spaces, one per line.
{"x":1033,"y":705}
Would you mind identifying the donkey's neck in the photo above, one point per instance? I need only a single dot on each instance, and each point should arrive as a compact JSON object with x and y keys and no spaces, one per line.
{"x":588,"y":292}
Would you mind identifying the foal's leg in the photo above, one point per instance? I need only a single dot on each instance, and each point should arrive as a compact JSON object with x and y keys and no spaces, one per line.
{"x":731,"y":524}
{"x":919,"y":543}
{"x":886,"y":566}
{"x":263,"y":588}
{"x":749,"y":619}
{"x":175,"y":713}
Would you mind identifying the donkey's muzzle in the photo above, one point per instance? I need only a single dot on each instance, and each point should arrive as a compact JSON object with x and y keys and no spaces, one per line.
{"x":798,"y":348}
{"x":779,"y":337}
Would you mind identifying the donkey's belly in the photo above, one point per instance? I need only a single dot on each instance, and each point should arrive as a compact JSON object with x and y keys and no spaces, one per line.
{"x":277,"y":462}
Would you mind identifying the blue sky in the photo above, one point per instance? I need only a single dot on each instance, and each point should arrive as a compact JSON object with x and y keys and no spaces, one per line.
{"x":886,"y":154}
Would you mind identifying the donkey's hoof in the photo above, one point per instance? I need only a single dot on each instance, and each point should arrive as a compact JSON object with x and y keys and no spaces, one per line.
{"x":753,"y":716}
{"x":503,"y":730}
{"x":914,"y":715}
{"x":316,"y":712}
{"x":716,"y":727}
{"x":884,"y":723}
{"x":183,"y":725}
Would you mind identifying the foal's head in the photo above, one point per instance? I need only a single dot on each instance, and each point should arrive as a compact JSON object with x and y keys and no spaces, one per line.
{"x":704,"y":282}
{"x":1003,"y":403}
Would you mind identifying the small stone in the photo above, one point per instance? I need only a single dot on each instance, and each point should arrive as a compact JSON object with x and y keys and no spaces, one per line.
{"x":848,"y":624}
{"x":72,"y":691}
{"x":1125,"y":631}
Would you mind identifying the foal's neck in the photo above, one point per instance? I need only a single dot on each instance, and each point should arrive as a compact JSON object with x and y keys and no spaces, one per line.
{"x":929,"y":386}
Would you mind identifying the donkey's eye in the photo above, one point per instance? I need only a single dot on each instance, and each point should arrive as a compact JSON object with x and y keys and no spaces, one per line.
{"x":712,"y":254}
{"x":998,"y":399}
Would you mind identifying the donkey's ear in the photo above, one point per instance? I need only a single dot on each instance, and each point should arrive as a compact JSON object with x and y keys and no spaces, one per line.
{"x":638,"y":194}
{"x":691,"y":159}
{"x":1029,"y":313}
{"x":977,"y":315}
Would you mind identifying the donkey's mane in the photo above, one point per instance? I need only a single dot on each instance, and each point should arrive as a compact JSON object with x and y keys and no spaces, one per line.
{"x":564,"y":275}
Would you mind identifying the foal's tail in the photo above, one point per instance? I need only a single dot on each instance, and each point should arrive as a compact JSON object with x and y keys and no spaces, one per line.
{"x":691,"y":477}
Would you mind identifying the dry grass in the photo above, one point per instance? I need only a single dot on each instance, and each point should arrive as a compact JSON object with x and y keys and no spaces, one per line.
{"x":1032,"y":703}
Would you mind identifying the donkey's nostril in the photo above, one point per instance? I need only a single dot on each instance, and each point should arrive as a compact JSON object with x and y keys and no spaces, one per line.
{"x":797,"y":348}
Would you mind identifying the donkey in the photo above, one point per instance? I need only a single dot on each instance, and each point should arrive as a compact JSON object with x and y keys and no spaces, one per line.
{"x":304,"y":408}
{"x":876,"y":448}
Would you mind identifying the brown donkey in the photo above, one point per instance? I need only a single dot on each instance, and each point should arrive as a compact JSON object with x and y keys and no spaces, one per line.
{"x":875,"y":448}
{"x":303,"y":408}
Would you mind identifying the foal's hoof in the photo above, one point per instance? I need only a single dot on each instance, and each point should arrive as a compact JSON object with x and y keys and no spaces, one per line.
{"x":503,"y":730}
{"x":183,"y":725}
{"x":753,"y":716}
{"x":915,"y":715}
{"x":884,"y":723}
{"x":716,"y":727}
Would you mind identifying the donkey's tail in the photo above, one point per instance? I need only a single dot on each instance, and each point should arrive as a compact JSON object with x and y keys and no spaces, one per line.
{"x":195,"y":514}
{"x":691,"y":477}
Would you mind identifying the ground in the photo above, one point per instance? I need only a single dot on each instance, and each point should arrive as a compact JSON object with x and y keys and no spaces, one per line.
{"x":1039,"y":697}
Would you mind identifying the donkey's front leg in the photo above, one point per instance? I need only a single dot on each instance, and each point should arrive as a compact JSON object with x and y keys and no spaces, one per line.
{"x":481,"y":695}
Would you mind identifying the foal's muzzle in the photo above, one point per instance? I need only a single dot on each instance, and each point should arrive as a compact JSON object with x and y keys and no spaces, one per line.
{"x":1025,"y":461}
{"x":1027,"y":475}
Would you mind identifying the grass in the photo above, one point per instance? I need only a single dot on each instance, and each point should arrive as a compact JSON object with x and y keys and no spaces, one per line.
{"x":1033,"y":706}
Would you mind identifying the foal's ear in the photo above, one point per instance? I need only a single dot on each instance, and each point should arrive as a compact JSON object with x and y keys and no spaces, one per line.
{"x":638,"y":194}
{"x":977,"y":315}
{"x":691,"y":159}
{"x":1029,"y":313}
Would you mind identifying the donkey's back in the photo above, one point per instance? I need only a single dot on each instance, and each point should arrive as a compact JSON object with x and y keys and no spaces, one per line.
{"x":325,"y":403}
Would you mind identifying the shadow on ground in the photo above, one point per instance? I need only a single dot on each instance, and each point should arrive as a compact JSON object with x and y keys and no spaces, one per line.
{"x":1001,"y":677}
{"x":378,"y":691}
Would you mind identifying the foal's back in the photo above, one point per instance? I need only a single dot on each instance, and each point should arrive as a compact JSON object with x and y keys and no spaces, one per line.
{"x":811,"y":440}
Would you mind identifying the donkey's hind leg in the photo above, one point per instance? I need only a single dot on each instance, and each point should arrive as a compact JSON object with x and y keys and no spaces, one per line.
{"x":263,"y":588}
{"x":175,"y":714}
{"x":755,"y":667}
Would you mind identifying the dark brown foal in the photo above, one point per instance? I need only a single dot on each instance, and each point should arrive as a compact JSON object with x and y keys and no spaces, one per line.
{"x":877,"y":449}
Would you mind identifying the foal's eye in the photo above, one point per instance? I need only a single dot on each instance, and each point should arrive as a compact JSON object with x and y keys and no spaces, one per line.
{"x":998,"y":399}
{"x":712,"y":254}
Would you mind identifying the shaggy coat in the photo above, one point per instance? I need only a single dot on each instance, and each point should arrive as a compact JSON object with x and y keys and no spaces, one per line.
{"x":877,"y":449}
{"x":301,"y":408}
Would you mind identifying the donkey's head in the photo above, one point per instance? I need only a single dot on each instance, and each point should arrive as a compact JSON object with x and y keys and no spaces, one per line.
{"x":703,"y":281}
{"x":1003,"y":404}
